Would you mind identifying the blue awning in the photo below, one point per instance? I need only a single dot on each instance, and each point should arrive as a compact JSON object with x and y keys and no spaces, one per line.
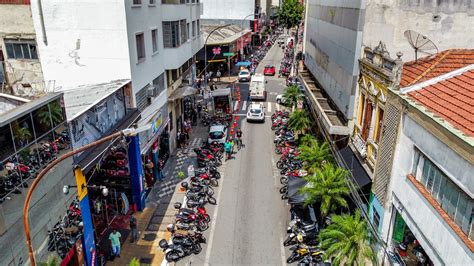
{"x":246,"y":63}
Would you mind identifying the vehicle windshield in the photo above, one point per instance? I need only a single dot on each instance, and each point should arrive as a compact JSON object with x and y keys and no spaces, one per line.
{"x":255,"y":111}
{"x":243,"y":73}
{"x":216,"y":135}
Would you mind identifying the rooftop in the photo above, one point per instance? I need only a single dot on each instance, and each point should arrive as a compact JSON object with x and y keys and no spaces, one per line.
{"x":449,"y":99}
{"x":429,"y":67}
{"x":223,"y":35}
{"x":79,"y":99}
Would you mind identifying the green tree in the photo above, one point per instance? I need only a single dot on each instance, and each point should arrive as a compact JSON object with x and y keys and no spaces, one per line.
{"x":347,"y":241}
{"x":56,"y":113}
{"x":292,"y":94}
{"x":314,"y":153}
{"x":328,"y":186}
{"x":44,"y":118}
{"x":290,"y":13}
{"x":299,"y":121}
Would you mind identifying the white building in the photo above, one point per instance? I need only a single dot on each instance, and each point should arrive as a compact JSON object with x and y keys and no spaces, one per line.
{"x":430,"y":195}
{"x":229,"y":11}
{"x":94,"y":42}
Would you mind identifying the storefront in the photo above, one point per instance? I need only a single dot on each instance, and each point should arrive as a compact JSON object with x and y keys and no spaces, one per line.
{"x":154,"y":146}
{"x":114,"y":165}
{"x":407,"y":246}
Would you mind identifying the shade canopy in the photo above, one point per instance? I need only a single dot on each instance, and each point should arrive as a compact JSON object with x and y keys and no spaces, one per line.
{"x":243,"y":63}
{"x":294,"y":185}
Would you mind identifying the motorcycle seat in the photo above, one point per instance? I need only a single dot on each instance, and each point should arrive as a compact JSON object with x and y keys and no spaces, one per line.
{"x":186,"y":211}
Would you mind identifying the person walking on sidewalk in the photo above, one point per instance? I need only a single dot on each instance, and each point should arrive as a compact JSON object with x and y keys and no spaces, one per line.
{"x":218,"y":75}
{"x":239,"y":139}
{"x":133,"y":228}
{"x":114,"y":238}
{"x":228,"y":148}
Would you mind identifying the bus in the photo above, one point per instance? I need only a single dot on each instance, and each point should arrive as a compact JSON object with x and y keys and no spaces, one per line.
{"x":257,"y":87}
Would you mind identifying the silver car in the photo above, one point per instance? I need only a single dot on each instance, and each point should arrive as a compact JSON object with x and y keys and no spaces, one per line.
{"x":256,"y":112}
{"x":217,"y":133}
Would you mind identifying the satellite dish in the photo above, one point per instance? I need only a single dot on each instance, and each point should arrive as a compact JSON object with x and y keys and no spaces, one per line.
{"x":420,"y":43}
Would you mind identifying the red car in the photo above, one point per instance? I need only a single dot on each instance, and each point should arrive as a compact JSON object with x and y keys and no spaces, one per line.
{"x":269,"y":71}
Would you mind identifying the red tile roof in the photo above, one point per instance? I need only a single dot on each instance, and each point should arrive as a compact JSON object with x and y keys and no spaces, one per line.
{"x":427,"y":68}
{"x":451,"y":99}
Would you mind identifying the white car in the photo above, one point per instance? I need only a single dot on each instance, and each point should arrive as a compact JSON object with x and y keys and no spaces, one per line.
{"x":256,"y":112}
{"x":244,"y":75}
{"x":217,"y":133}
{"x":280,"y":99}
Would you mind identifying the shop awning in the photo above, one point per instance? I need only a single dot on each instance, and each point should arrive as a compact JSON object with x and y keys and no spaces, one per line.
{"x":182,"y":92}
{"x":89,"y":160}
{"x":246,"y":63}
{"x":294,"y":185}
{"x":354,"y":165}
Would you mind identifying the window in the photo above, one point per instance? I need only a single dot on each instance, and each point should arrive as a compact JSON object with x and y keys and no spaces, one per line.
{"x":21,"y":49}
{"x":182,"y":28}
{"x":154,"y":40}
{"x":140,"y":42}
{"x":379,"y":127}
{"x":376,"y":219}
{"x":152,"y":2}
{"x":138,"y":2}
{"x":159,"y":84}
{"x":194,"y":29}
{"x":171,"y":34}
{"x":170,"y":116}
{"x":367,"y":119}
{"x":187,"y":30}
{"x":455,"y":202}
{"x":198,"y":29}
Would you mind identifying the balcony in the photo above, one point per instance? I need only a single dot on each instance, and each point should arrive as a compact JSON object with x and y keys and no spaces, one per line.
{"x":322,"y":108}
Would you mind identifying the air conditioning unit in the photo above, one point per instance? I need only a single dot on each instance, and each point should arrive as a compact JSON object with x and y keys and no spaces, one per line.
{"x":151,"y":92}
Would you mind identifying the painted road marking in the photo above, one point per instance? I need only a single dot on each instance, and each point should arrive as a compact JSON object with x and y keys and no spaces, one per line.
{"x":278,"y":107}
{"x":269,"y":109}
{"x":236,"y":106}
{"x":244,"y":106}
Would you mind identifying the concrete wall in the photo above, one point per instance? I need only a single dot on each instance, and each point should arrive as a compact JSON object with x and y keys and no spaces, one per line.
{"x":444,"y":23}
{"x":227,"y":9}
{"x":86,"y":41}
{"x":18,"y":71}
{"x":333,"y":46}
{"x":440,"y":242}
{"x":47,"y":205}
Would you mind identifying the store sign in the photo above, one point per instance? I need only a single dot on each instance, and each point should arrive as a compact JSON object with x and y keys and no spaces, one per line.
{"x":216,"y":50}
{"x":157,"y":121}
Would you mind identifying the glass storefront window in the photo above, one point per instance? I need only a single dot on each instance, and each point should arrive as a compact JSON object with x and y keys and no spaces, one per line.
{"x":42,"y":121}
{"x":6,"y":142}
{"x":57,"y":113}
{"x":23,"y":131}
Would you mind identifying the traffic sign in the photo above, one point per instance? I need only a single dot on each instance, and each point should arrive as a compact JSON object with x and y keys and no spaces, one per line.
{"x":228,"y":54}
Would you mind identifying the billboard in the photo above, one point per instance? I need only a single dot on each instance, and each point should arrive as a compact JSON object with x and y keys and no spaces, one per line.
{"x":98,"y":121}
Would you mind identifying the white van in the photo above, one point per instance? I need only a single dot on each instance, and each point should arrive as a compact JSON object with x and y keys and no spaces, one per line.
{"x":257,"y":87}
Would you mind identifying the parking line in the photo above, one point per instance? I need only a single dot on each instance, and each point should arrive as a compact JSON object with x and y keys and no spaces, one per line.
{"x":269,"y":109}
{"x":244,"y":106}
{"x":236,"y":106}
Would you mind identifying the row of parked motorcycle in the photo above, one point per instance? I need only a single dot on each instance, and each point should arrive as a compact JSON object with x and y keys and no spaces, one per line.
{"x":257,"y":56}
{"x":67,"y":231}
{"x":287,"y":60}
{"x":192,"y":218}
{"x":302,"y":231}
{"x":19,"y":168}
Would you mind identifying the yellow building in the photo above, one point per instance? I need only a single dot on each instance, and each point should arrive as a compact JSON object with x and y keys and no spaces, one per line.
{"x":378,"y":72}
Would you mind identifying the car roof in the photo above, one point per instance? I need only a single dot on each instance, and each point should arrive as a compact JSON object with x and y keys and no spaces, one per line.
{"x":217,"y":128}
{"x":256,"y":106}
{"x":268,"y":66}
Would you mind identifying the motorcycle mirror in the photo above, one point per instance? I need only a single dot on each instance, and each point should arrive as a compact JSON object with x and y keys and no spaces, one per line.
{"x":105,"y":191}
{"x":66,"y":190}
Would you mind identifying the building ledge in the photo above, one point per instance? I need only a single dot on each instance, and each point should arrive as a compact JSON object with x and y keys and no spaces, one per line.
{"x":464,"y":238}
{"x":328,"y":115}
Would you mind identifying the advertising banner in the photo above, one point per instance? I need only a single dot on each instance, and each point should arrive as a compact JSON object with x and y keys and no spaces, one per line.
{"x":98,"y":121}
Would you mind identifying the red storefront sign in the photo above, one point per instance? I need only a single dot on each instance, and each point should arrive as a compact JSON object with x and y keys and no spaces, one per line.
{"x":244,"y":40}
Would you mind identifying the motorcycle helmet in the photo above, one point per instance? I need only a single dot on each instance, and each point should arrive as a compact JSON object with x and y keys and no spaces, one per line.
{"x":170,"y":228}
{"x":184,"y":185}
{"x":299,"y":237}
{"x":177,"y":205}
{"x":163,"y":244}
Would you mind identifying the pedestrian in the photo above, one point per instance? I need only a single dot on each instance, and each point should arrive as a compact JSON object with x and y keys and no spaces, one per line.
{"x":133,"y":228}
{"x":199,"y":109}
{"x":114,"y":238}
{"x":218,"y":75}
{"x":228,"y":148}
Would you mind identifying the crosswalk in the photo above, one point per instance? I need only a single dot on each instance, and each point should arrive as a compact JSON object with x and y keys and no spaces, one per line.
{"x":269,"y":106}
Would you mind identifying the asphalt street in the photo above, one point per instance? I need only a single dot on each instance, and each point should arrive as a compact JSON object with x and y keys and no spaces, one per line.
{"x":249,"y":222}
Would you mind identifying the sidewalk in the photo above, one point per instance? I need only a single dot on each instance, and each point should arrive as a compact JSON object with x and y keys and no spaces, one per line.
{"x":160,"y":211}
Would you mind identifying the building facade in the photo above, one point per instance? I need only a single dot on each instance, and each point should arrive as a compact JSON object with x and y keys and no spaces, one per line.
{"x":20,"y":68}
{"x":425,"y":164}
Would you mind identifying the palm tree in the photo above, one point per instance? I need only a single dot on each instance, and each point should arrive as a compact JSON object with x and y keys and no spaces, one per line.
{"x":347,"y":241}
{"x":299,"y":121}
{"x":56,"y":113}
{"x":292,"y":94}
{"x":314,"y":153}
{"x":44,"y":118}
{"x":326,"y":185}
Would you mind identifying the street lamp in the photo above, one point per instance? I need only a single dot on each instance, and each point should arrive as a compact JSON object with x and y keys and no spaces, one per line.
{"x":128,"y":132}
{"x":103,"y":189}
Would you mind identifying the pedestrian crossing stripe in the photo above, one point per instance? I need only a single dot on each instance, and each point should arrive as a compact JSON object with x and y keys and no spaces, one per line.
{"x":269,"y":109}
{"x":270,"y":106}
{"x":244,"y":106}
